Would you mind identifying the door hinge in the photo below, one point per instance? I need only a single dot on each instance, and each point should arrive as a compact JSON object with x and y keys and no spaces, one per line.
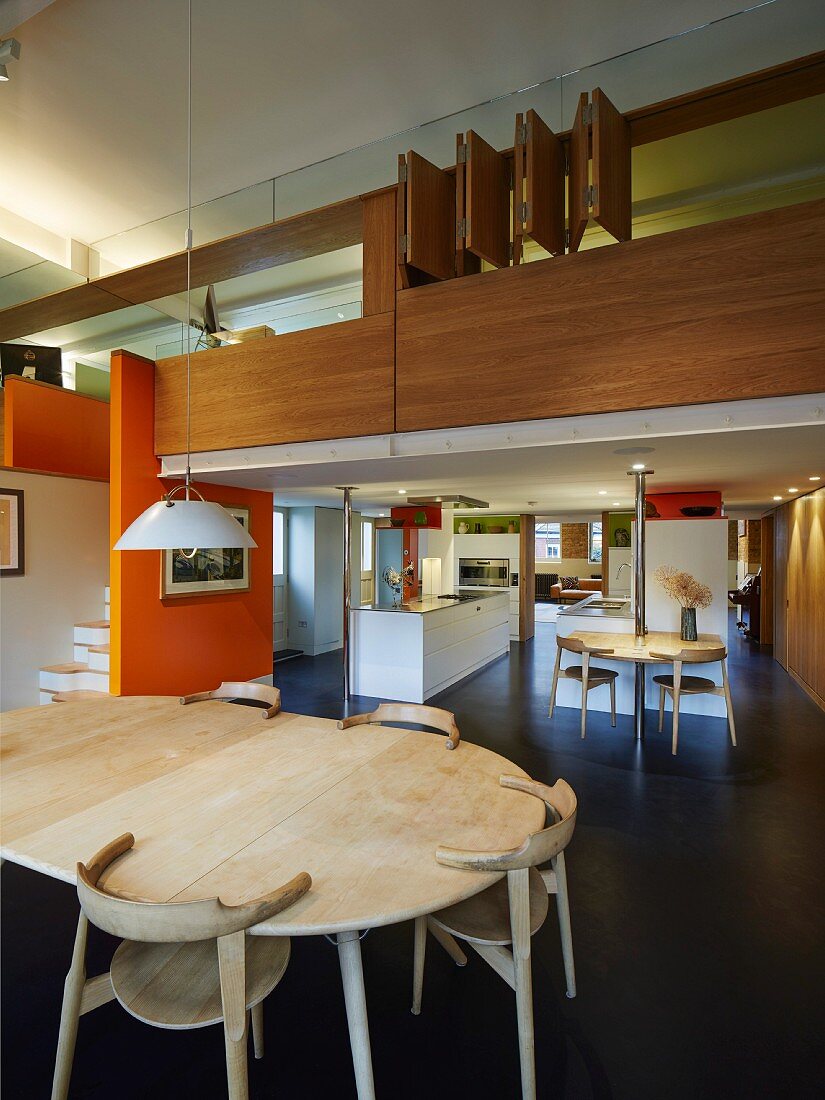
{"x":404,"y":242}
{"x":523,"y":134}
{"x":523,"y":212}
{"x":461,"y":227}
{"x":587,"y":114}
{"x":591,"y":196}
{"x":462,"y":154}
{"x":402,"y":173}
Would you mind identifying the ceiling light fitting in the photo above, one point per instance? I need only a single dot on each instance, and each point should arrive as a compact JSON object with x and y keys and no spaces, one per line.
{"x":186,"y":524}
{"x":9,"y":51}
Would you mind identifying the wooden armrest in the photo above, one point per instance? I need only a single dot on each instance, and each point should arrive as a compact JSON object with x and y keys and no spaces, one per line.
{"x":355,"y":720}
{"x":101,"y":860}
{"x":198,"y":697}
{"x":271,"y":904}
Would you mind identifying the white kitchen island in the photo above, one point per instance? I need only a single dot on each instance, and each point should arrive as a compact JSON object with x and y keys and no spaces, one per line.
{"x":412,"y":652}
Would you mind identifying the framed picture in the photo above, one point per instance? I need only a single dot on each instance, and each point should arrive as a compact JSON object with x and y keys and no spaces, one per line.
{"x":742,"y":528}
{"x":210,"y":571}
{"x":12,"y":533}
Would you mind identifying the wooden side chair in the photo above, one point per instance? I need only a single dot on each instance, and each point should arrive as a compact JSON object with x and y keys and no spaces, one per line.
{"x":510,"y":911}
{"x":590,"y":676}
{"x":679,"y":684}
{"x":416,"y":713}
{"x":259,"y":693}
{"x":181,"y":965}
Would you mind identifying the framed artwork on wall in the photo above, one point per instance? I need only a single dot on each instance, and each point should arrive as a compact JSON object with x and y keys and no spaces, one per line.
{"x":208,"y":571}
{"x":12,"y":533}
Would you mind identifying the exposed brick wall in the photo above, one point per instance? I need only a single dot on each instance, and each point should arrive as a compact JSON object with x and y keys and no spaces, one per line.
{"x":750,"y":544}
{"x":733,"y":540}
{"x":574,"y":540}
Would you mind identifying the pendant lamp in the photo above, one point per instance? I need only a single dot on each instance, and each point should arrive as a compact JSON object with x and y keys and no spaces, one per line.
{"x":171,"y":524}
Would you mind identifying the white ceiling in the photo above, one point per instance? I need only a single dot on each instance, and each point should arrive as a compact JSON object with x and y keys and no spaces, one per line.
{"x":749,"y":467}
{"x":94,"y":115}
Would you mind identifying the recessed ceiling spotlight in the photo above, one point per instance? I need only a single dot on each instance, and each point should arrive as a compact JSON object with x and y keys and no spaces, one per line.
{"x":602,"y":492}
{"x":401,"y":492}
{"x":381,"y":515}
{"x":341,"y":316}
{"x":635,"y":451}
{"x":777,"y":498}
{"x":638,"y":465}
{"x":9,"y":51}
{"x":793,"y":490}
{"x":814,"y":477}
{"x":617,"y":503}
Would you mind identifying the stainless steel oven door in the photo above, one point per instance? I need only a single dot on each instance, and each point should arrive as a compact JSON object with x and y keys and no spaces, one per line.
{"x":484,"y":572}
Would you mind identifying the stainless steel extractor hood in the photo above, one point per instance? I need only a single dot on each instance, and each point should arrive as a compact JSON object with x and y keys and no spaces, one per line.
{"x":455,"y":500}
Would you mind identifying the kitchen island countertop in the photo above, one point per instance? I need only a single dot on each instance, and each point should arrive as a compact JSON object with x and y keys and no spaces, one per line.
{"x":428,"y":603}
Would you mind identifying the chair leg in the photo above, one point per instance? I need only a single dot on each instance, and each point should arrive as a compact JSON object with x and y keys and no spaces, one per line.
{"x":232,"y":967}
{"x":556,"y":668}
{"x":518,"y":885}
{"x":563,"y":910}
{"x":448,"y":942}
{"x":419,"y":955}
{"x":613,"y":703}
{"x":728,"y":701}
{"x":675,"y":699}
{"x":584,"y":703}
{"x":661,"y":706}
{"x":70,"y":1013}
{"x":258,"y":1029}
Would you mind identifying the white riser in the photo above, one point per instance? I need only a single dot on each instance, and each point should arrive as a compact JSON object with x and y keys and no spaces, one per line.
{"x":92,"y":635}
{"x":98,"y":661}
{"x":45,"y":697}
{"x":74,"y":681}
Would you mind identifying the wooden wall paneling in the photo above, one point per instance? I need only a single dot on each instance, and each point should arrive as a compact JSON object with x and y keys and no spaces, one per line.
{"x":578,"y":180}
{"x":466,"y":262}
{"x":545,"y":185}
{"x":611,"y":168}
{"x":319,"y":383}
{"x":766,"y":595}
{"x":519,"y":155}
{"x":709,"y":309}
{"x":431,"y":217}
{"x":61,"y":308}
{"x":380,"y":244}
{"x":487,"y":201}
{"x":780,"y":586}
{"x":527,"y":578}
{"x":805,"y":582}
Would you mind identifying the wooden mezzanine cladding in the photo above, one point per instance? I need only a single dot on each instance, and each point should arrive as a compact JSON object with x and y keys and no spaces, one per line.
{"x":719,"y":311}
{"x":321,"y":383}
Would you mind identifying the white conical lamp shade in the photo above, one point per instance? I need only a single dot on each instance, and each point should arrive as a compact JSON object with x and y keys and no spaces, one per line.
{"x":181,"y":524}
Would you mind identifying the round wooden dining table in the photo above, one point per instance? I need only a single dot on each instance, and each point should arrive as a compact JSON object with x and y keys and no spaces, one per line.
{"x":225,"y":804}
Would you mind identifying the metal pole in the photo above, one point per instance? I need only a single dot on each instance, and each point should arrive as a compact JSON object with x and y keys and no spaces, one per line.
{"x":640,"y":627}
{"x":347,"y":491}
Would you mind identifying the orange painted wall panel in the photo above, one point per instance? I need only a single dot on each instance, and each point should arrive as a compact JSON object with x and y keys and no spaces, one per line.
{"x":55,"y":430}
{"x":181,"y":645}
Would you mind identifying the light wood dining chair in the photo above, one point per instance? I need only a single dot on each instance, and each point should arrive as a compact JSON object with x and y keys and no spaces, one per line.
{"x":589,"y":676}
{"x":181,"y":965}
{"x":678,"y":684}
{"x":510,"y":911}
{"x":259,"y":693}
{"x":415,"y":713}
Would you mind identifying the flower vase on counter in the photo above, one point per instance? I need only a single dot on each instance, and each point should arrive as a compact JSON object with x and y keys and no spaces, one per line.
{"x":463,"y":528}
{"x":689,"y":624}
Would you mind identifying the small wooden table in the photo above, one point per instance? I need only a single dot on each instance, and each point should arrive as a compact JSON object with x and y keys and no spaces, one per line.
{"x":223,"y":803}
{"x":626,"y":648}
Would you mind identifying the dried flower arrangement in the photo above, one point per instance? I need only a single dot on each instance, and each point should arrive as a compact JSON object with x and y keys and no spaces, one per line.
{"x":682,"y":587}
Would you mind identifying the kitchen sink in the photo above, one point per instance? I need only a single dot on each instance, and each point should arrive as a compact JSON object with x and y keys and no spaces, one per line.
{"x":609,"y":605}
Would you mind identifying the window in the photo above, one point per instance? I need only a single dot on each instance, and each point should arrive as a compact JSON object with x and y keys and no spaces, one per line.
{"x":548,"y":541}
{"x":277,"y":543}
{"x":366,"y":545}
{"x":594,"y":543}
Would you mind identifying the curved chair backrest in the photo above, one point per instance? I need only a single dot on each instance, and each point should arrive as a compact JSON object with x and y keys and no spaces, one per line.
{"x":576,"y":645}
{"x":694,"y":656}
{"x":172,"y":922}
{"x":417,"y":713}
{"x":560,"y":800}
{"x":260,"y":693}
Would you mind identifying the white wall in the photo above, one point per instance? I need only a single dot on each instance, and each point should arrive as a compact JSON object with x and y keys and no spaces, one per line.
{"x":67,"y":569}
{"x":700,"y":548}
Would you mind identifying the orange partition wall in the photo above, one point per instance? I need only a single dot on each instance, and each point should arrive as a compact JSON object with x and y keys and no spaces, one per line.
{"x":55,"y":430}
{"x":180,"y":645}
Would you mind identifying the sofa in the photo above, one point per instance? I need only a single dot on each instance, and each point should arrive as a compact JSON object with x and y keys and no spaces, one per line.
{"x":572,"y":595}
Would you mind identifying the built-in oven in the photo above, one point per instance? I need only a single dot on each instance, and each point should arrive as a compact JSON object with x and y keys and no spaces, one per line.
{"x":483,"y":572}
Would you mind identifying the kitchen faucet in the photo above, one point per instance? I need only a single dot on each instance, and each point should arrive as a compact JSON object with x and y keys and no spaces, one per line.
{"x":624,"y":565}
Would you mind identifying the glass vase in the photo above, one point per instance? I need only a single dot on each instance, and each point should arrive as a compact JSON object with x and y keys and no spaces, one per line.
{"x":689,"y":624}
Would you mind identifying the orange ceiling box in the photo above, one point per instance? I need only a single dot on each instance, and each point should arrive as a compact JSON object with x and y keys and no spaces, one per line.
{"x":409,"y":512}
{"x":54,"y":430}
{"x":688,"y":505}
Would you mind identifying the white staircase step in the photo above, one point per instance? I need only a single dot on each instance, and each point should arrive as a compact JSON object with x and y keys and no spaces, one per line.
{"x":73,"y":676}
{"x":92,"y":633}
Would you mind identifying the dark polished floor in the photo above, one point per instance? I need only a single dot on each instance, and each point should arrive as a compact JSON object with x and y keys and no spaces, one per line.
{"x":697,"y":905}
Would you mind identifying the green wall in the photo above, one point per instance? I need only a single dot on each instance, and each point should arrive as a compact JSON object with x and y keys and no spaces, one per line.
{"x":486,"y":522}
{"x":91,"y":380}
